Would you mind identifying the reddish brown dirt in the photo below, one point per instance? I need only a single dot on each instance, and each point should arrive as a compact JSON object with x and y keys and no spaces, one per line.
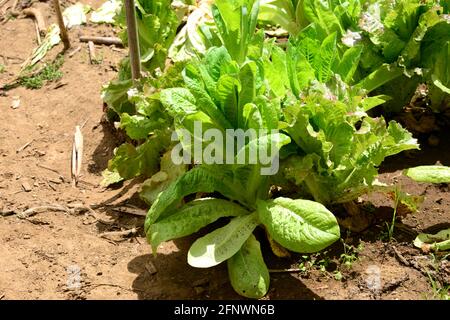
{"x":39,"y":255}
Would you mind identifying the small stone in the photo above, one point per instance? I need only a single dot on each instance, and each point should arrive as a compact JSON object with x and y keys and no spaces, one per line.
{"x":26,"y":186}
{"x":15,"y":102}
{"x":27,"y":236}
{"x":199,"y":290}
{"x":150,"y":267}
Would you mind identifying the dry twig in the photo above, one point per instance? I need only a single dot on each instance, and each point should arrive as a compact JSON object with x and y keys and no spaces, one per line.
{"x":94,"y":285}
{"x":32,"y":211}
{"x":102,"y":40}
{"x":74,"y":51}
{"x":24,"y":146}
{"x":284,"y":270}
{"x":124,"y":233}
{"x":77,"y":155}
{"x":91,"y":48}
{"x":37,"y":14}
{"x":395,"y":284}
{"x":130,"y":210}
{"x":48,"y":168}
{"x":399,"y":256}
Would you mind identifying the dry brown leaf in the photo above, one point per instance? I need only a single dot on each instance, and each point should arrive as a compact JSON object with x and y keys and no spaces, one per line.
{"x":77,"y":155}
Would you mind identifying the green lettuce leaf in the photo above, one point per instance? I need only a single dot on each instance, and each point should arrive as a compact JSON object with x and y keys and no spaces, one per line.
{"x":191,"y":218}
{"x":130,"y":161}
{"x":222,"y":243}
{"x":248,"y":273}
{"x":430,"y":174}
{"x":299,"y":225}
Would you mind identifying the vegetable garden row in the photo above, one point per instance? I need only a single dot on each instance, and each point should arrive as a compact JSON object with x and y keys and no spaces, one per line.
{"x":306,"y":75}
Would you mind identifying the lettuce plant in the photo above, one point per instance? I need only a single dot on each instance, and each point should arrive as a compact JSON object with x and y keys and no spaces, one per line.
{"x":339,"y":146}
{"x":328,"y":16}
{"x":223,"y":94}
{"x":412,"y":36}
{"x":342,"y":148}
{"x":328,"y":143}
{"x":310,"y":101}
{"x":406,"y":40}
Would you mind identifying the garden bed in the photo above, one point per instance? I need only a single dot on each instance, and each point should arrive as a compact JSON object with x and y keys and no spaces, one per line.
{"x":40,"y":254}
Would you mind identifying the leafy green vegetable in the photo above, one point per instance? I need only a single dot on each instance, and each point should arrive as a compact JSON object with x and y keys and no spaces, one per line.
{"x":283,"y":13}
{"x":412,"y":35}
{"x":168,"y":173}
{"x":191,"y":218}
{"x":299,"y":225}
{"x":236,"y":22}
{"x":110,"y":177}
{"x":431,"y":174}
{"x":309,"y":100}
{"x":157,"y":24}
{"x":343,"y":148}
{"x":222,"y":243}
{"x":248,"y":273}
{"x":200,"y":179}
{"x":319,"y":12}
{"x":196,"y":36}
{"x":436,"y":55}
{"x":130,"y":161}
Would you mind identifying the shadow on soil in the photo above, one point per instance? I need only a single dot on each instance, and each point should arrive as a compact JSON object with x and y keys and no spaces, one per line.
{"x":104,"y":150}
{"x":175,"y":279}
{"x":426,"y":156}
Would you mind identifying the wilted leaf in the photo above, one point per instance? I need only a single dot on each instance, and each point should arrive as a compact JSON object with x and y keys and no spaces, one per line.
{"x":277,"y":249}
{"x":107,"y":12}
{"x":110,"y":177}
{"x":75,"y":15}
{"x":51,"y":39}
{"x":436,"y":242}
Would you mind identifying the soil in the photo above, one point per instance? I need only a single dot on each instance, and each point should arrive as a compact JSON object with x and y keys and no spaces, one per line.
{"x":65,"y":255}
